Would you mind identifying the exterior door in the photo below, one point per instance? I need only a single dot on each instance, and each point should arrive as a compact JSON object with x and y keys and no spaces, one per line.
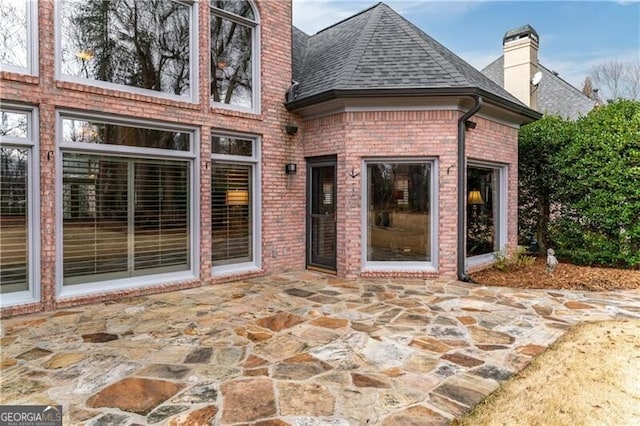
{"x":321,"y":214}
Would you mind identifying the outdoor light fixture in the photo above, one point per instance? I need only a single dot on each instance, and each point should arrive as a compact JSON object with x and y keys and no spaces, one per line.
{"x":291,"y":129}
{"x":470,"y":124}
{"x":237,"y":197}
{"x":475,"y":198}
{"x":291,"y":168}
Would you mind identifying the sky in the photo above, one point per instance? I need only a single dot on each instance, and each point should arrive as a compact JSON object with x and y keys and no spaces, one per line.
{"x":574,"y":35}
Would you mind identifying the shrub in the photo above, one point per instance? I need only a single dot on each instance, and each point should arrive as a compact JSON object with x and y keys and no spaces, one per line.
{"x":512,"y":262}
{"x":599,"y":221}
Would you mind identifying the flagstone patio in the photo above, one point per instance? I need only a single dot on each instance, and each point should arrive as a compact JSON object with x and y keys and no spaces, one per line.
{"x":299,"y":348}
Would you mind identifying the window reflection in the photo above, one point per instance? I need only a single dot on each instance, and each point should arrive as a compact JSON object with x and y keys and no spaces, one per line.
{"x":13,"y":124}
{"x":482,"y":211}
{"x":231,"y":214}
{"x":82,"y":131}
{"x":14,"y":220}
{"x":138,"y":43}
{"x":232,"y":53}
{"x":398,"y":219}
{"x":14,"y":31}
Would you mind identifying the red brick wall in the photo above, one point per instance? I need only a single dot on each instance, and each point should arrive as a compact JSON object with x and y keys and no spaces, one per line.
{"x":279,"y":211}
{"x":357,"y":135}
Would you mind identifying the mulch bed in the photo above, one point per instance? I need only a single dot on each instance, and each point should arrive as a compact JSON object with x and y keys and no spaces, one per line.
{"x":566,"y":276}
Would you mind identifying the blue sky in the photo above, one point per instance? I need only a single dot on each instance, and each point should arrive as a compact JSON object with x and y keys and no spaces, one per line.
{"x":574,"y":35}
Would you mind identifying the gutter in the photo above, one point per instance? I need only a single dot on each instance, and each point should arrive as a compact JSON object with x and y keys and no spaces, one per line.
{"x":462,"y":184}
{"x":515,"y":107}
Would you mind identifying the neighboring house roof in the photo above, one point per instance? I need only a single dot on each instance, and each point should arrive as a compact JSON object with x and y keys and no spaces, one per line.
{"x":555,"y":96}
{"x":378,"y":50}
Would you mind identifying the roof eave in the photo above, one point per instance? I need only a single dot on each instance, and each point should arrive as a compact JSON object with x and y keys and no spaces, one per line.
{"x":527,"y":113}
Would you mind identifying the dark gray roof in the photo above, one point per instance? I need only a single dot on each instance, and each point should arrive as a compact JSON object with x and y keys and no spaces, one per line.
{"x":555,"y":96}
{"x":299,"y":46}
{"x":377,"y":49}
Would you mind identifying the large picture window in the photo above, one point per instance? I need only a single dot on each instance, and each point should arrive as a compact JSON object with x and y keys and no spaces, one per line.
{"x":234,"y":54}
{"x":143,"y":44}
{"x":483,"y":210}
{"x":18,"y":225}
{"x":233,"y":203}
{"x":124,"y":215}
{"x":398,"y":218}
{"x":18,"y":36}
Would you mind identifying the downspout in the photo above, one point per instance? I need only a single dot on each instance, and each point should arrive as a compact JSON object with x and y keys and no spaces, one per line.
{"x":462,"y":202}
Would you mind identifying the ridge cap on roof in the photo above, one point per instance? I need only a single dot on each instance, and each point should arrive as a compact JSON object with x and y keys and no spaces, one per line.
{"x":351,"y":17}
{"x":418,"y":36}
{"x":360,"y":45}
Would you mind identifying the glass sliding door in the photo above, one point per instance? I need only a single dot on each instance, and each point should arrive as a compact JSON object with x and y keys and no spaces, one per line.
{"x":14,"y":219}
{"x":19,"y":206}
{"x":126,"y":204}
{"x":123,"y":217}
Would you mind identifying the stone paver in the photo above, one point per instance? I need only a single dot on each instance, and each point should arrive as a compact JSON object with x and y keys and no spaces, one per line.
{"x":300,"y":348}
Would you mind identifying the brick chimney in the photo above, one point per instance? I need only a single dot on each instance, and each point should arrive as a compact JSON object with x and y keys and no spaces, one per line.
{"x":520,"y":46}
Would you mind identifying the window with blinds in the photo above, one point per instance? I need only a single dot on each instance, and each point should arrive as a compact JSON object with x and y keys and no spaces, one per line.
{"x":14,"y":219}
{"x":124,"y":217}
{"x":231,"y":213}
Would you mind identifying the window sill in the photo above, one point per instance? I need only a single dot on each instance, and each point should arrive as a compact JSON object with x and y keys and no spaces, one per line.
{"x":120,"y":93}
{"x":22,"y":78}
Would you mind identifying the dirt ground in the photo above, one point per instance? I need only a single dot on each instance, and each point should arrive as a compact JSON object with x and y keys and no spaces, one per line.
{"x":589,"y":377}
{"x":566,"y":276}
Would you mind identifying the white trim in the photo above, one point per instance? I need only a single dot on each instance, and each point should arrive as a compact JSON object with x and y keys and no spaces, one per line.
{"x":32,"y":67}
{"x":191,"y":157}
{"x":410,"y":266}
{"x":502,"y":226}
{"x":256,"y":55}
{"x":256,"y":181}
{"x":191,"y":97}
{"x":32,"y":294}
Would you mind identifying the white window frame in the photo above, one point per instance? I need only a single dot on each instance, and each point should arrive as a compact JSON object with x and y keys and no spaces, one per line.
{"x":141,"y":281}
{"x":501,"y":227}
{"x":391,"y":266}
{"x":32,"y":294}
{"x":255,"y":57}
{"x":32,"y":43}
{"x":194,"y":47}
{"x":256,"y":197}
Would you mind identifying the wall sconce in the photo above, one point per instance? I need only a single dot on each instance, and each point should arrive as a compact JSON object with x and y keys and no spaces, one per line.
{"x":291,"y":129}
{"x":291,"y":168}
{"x":470,"y":124}
{"x":237,"y":197}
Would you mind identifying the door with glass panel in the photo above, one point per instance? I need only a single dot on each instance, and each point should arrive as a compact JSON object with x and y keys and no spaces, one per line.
{"x":321,"y":214}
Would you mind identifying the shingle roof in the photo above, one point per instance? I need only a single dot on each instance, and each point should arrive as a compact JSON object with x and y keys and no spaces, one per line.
{"x":555,"y":96}
{"x":379,"y":49}
{"x":299,"y":46}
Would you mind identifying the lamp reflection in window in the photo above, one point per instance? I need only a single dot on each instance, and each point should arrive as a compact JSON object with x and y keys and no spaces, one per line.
{"x":475,"y":199}
{"x":237,"y":197}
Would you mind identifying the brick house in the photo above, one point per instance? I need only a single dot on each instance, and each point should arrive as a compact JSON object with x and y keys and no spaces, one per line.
{"x":160,"y":145}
